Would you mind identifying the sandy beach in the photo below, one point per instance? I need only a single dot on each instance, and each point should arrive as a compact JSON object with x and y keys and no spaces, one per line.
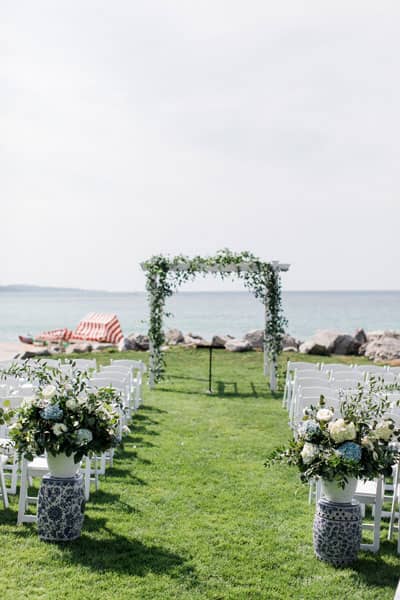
{"x":9,"y":350}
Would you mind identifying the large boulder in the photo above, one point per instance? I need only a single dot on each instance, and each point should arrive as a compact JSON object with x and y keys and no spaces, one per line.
{"x":255,"y":338}
{"x":312,"y":347}
{"x":322,"y":342}
{"x":346,"y":344}
{"x":142,"y":341}
{"x":326,"y":342}
{"x":327,"y":338}
{"x":374,"y":335}
{"x":386,"y":347}
{"x":193,"y":340}
{"x":289,"y":343}
{"x":136,"y":341}
{"x":189,"y":342}
{"x":173,"y":337}
{"x":360,"y":337}
{"x":238,"y":346}
{"x":219,"y":341}
{"x":127,"y":344}
{"x":34,"y":353}
{"x":100,"y":346}
{"x":79,"y":348}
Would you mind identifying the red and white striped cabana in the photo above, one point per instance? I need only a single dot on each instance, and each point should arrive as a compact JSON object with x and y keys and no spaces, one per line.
{"x":99,"y":327}
{"x":56,"y":335}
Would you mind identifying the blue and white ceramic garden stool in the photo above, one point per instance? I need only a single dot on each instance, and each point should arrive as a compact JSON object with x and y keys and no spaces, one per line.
{"x":337,"y":531}
{"x":61,"y":505}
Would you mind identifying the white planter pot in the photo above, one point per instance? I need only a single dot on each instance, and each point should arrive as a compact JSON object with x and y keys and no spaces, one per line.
{"x":333,"y":492}
{"x":61,"y":465}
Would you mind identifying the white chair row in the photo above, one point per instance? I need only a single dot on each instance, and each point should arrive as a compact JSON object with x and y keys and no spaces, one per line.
{"x":338,"y":372}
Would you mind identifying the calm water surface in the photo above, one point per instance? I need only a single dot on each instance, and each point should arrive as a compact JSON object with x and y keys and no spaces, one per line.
{"x":205,"y":313}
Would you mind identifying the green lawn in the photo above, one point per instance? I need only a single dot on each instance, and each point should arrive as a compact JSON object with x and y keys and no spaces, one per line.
{"x":190,"y":512}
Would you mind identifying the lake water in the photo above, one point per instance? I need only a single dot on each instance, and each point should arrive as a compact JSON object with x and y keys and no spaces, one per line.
{"x":205,"y":313}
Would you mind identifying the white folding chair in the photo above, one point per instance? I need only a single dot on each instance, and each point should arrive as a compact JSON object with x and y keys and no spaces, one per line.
{"x":11,"y":465}
{"x":348,"y":375}
{"x":332,"y":368}
{"x":65,"y":368}
{"x":3,"y":487}
{"x":395,"y":508}
{"x":52,"y":362}
{"x":86,"y":364}
{"x":139,"y":369}
{"x":291,"y":367}
{"x":371,"y":493}
{"x":120,"y":384}
{"x":304,"y":379}
{"x":374,"y":371}
{"x":29,"y":469}
{"x":345,"y":384}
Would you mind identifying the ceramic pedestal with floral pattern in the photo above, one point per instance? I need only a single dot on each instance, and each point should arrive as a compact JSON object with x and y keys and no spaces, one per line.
{"x":337,"y":531}
{"x":61,"y":505}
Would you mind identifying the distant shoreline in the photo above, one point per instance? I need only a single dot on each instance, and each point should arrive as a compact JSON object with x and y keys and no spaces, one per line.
{"x":22,"y":288}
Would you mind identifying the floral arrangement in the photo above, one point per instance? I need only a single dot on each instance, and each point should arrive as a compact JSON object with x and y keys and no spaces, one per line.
{"x":360,"y":443}
{"x":65,"y":414}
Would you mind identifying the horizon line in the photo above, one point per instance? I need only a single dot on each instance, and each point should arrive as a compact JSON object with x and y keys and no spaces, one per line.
{"x":22,"y":287}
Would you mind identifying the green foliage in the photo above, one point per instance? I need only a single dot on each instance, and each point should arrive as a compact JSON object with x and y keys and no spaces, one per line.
{"x":64,"y":415}
{"x":165,"y":275}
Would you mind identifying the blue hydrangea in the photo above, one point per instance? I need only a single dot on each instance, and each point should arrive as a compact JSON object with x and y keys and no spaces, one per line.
{"x":52,"y":413}
{"x":84,"y":436}
{"x":350,"y":451}
{"x":309,"y":429}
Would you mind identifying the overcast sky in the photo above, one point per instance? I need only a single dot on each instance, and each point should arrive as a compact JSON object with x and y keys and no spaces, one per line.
{"x":129,"y":128}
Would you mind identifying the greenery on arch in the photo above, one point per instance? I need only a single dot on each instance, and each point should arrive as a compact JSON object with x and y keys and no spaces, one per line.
{"x":165,"y":274}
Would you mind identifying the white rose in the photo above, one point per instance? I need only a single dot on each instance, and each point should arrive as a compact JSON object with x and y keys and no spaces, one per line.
{"x":340,"y":431}
{"x":384,"y":431}
{"x":309,"y":452}
{"x":71,"y":403}
{"x":59,"y":428}
{"x":324,"y":414}
{"x":82,"y":399}
{"x":367,"y":442}
{"x":49,"y":391}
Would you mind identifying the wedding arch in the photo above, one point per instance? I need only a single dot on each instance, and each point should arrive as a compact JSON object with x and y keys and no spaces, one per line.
{"x":165,"y":274}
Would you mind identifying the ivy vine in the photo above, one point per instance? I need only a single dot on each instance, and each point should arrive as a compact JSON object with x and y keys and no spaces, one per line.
{"x":164,"y":275}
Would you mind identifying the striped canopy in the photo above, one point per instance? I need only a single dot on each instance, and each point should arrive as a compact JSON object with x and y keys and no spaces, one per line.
{"x":99,"y":327}
{"x":56,"y":335}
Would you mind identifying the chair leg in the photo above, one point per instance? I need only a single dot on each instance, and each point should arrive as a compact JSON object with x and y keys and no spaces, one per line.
{"x":378,"y":516}
{"x":395,"y":499}
{"x":102,"y":469}
{"x":3,"y":488}
{"x":87,"y":478}
{"x":23,"y":492}
{"x":12,"y":475}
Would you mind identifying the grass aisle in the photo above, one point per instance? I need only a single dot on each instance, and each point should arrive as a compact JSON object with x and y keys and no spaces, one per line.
{"x":189,"y":511}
